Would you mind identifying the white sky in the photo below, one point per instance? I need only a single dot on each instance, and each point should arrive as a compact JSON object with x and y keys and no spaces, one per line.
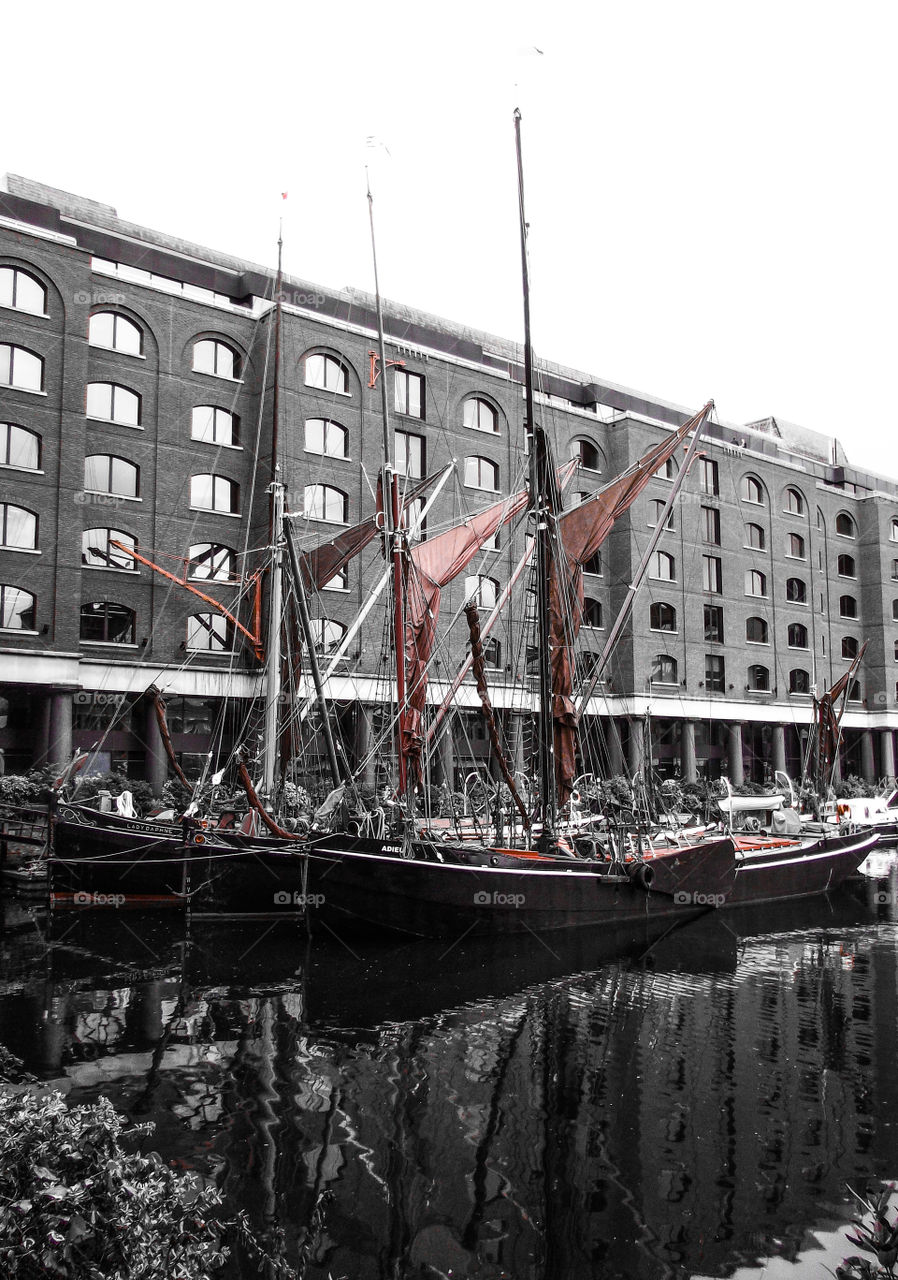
{"x":710,"y":186}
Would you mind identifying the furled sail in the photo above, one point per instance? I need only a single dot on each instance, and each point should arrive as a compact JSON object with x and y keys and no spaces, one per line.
{"x":581,"y":533}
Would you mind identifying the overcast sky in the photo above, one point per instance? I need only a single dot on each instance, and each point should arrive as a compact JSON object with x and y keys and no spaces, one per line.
{"x":711,"y":187}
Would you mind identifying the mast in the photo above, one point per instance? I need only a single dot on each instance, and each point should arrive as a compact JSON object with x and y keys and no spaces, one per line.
{"x":275,"y":595}
{"x":392,"y":541}
{"x":540,"y":508}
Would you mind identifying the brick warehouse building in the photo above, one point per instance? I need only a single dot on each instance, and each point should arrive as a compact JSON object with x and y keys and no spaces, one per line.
{"x":135,"y":379}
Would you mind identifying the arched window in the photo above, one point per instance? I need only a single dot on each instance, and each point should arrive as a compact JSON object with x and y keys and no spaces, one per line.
{"x":755,"y":537}
{"x":97,"y":551}
{"x":656,"y":511}
{"x":492,"y":653}
{"x":18,"y":528}
{"x":662,"y":617}
{"x":480,"y":473}
{"x":21,"y":368}
{"x":327,"y":634}
{"x":592,"y":612}
{"x":755,"y":583}
{"x":19,"y":447}
{"x":214,"y":493}
{"x":664,"y":669}
{"x":104,"y":473}
{"x":847,"y":568}
{"x":479,"y":415}
{"x":895,"y":610}
{"x":849,"y":647}
{"x":893,"y":529}
{"x":758,"y":678}
{"x":854,"y":691}
{"x":796,"y":590}
{"x":213,"y":425}
{"x":671,"y":467}
{"x":323,"y":502}
{"x":795,"y":546}
{"x":339,"y":582}
{"x":107,"y":623}
{"x":211,"y":355}
{"x":327,"y":438}
{"x":111,"y":403}
{"x":896,"y":650}
{"x":847,"y":607}
{"x":212,"y":562}
{"x":752,"y":490}
{"x":327,"y":373}
{"x":589,"y":454}
{"x":481,"y":590}
{"x":116,"y":333}
{"x":663,"y":567}
{"x":895,"y":570}
{"x":22,"y":291}
{"x":794,"y":502}
{"x":798,"y":635}
{"x":845,"y":526}
{"x":799,"y":681}
{"x":594,"y":564}
{"x":17,"y":609}
{"x":209,"y":632}
{"x":756,"y":631}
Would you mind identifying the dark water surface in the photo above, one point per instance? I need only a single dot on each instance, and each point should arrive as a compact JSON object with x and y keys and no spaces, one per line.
{"x":549,"y":1107}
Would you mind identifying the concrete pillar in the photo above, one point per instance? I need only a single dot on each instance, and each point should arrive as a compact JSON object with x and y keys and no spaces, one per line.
{"x":887,"y":753}
{"x":615,"y":749}
{"x":42,"y":732}
{"x":736,"y":771}
{"x":59,"y":745}
{"x":688,"y":766}
{"x":868,"y":764}
{"x":445,"y":754}
{"x":155,"y":760}
{"x":778,"y":746}
{"x":636,"y":752}
{"x":362,"y":746}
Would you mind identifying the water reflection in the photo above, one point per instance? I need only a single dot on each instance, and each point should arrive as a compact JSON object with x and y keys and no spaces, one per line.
{"x":404,"y":1111}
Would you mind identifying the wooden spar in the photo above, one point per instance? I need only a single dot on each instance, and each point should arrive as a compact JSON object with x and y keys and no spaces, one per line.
{"x":276,"y":585}
{"x":479,"y":675}
{"x":548,"y":802}
{"x":299,"y":592}
{"x":255,"y":640}
{"x":623,"y":615}
{"x":159,"y":707}
{"x":256,"y":804}
{"x":392,"y":541}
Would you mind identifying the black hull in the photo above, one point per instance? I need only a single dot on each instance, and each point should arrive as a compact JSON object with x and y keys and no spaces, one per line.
{"x":779,"y":873}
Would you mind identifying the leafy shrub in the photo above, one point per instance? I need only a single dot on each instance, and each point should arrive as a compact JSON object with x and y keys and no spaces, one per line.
{"x":851,"y":788}
{"x":74,"y":1203}
{"x":116,"y":783}
{"x":25,"y":788}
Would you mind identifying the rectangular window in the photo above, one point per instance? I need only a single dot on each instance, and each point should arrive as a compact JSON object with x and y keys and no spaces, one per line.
{"x":409,"y":454}
{"x":711,"y":525}
{"x":715,"y":673}
{"x":713,"y":624}
{"x":712,"y":575}
{"x":409,"y":393}
{"x":708,"y":477}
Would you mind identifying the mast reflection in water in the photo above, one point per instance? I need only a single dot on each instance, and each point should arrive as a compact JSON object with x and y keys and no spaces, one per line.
{"x":403,"y":1112}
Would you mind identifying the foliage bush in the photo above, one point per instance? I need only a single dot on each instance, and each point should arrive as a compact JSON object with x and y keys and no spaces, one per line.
{"x":75,"y":1203}
{"x":116,"y":783}
{"x":26,"y":788}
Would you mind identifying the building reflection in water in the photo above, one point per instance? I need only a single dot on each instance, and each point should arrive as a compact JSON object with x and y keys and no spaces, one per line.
{"x":687,"y":1113}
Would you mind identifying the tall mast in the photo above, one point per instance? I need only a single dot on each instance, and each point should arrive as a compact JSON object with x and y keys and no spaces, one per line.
{"x":275,"y":594}
{"x":540,"y":508}
{"x":390,"y":497}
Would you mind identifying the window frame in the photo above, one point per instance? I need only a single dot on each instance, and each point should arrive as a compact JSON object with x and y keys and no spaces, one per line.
{"x":16,"y":272}
{"x":218,"y":344}
{"x":127,"y":324}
